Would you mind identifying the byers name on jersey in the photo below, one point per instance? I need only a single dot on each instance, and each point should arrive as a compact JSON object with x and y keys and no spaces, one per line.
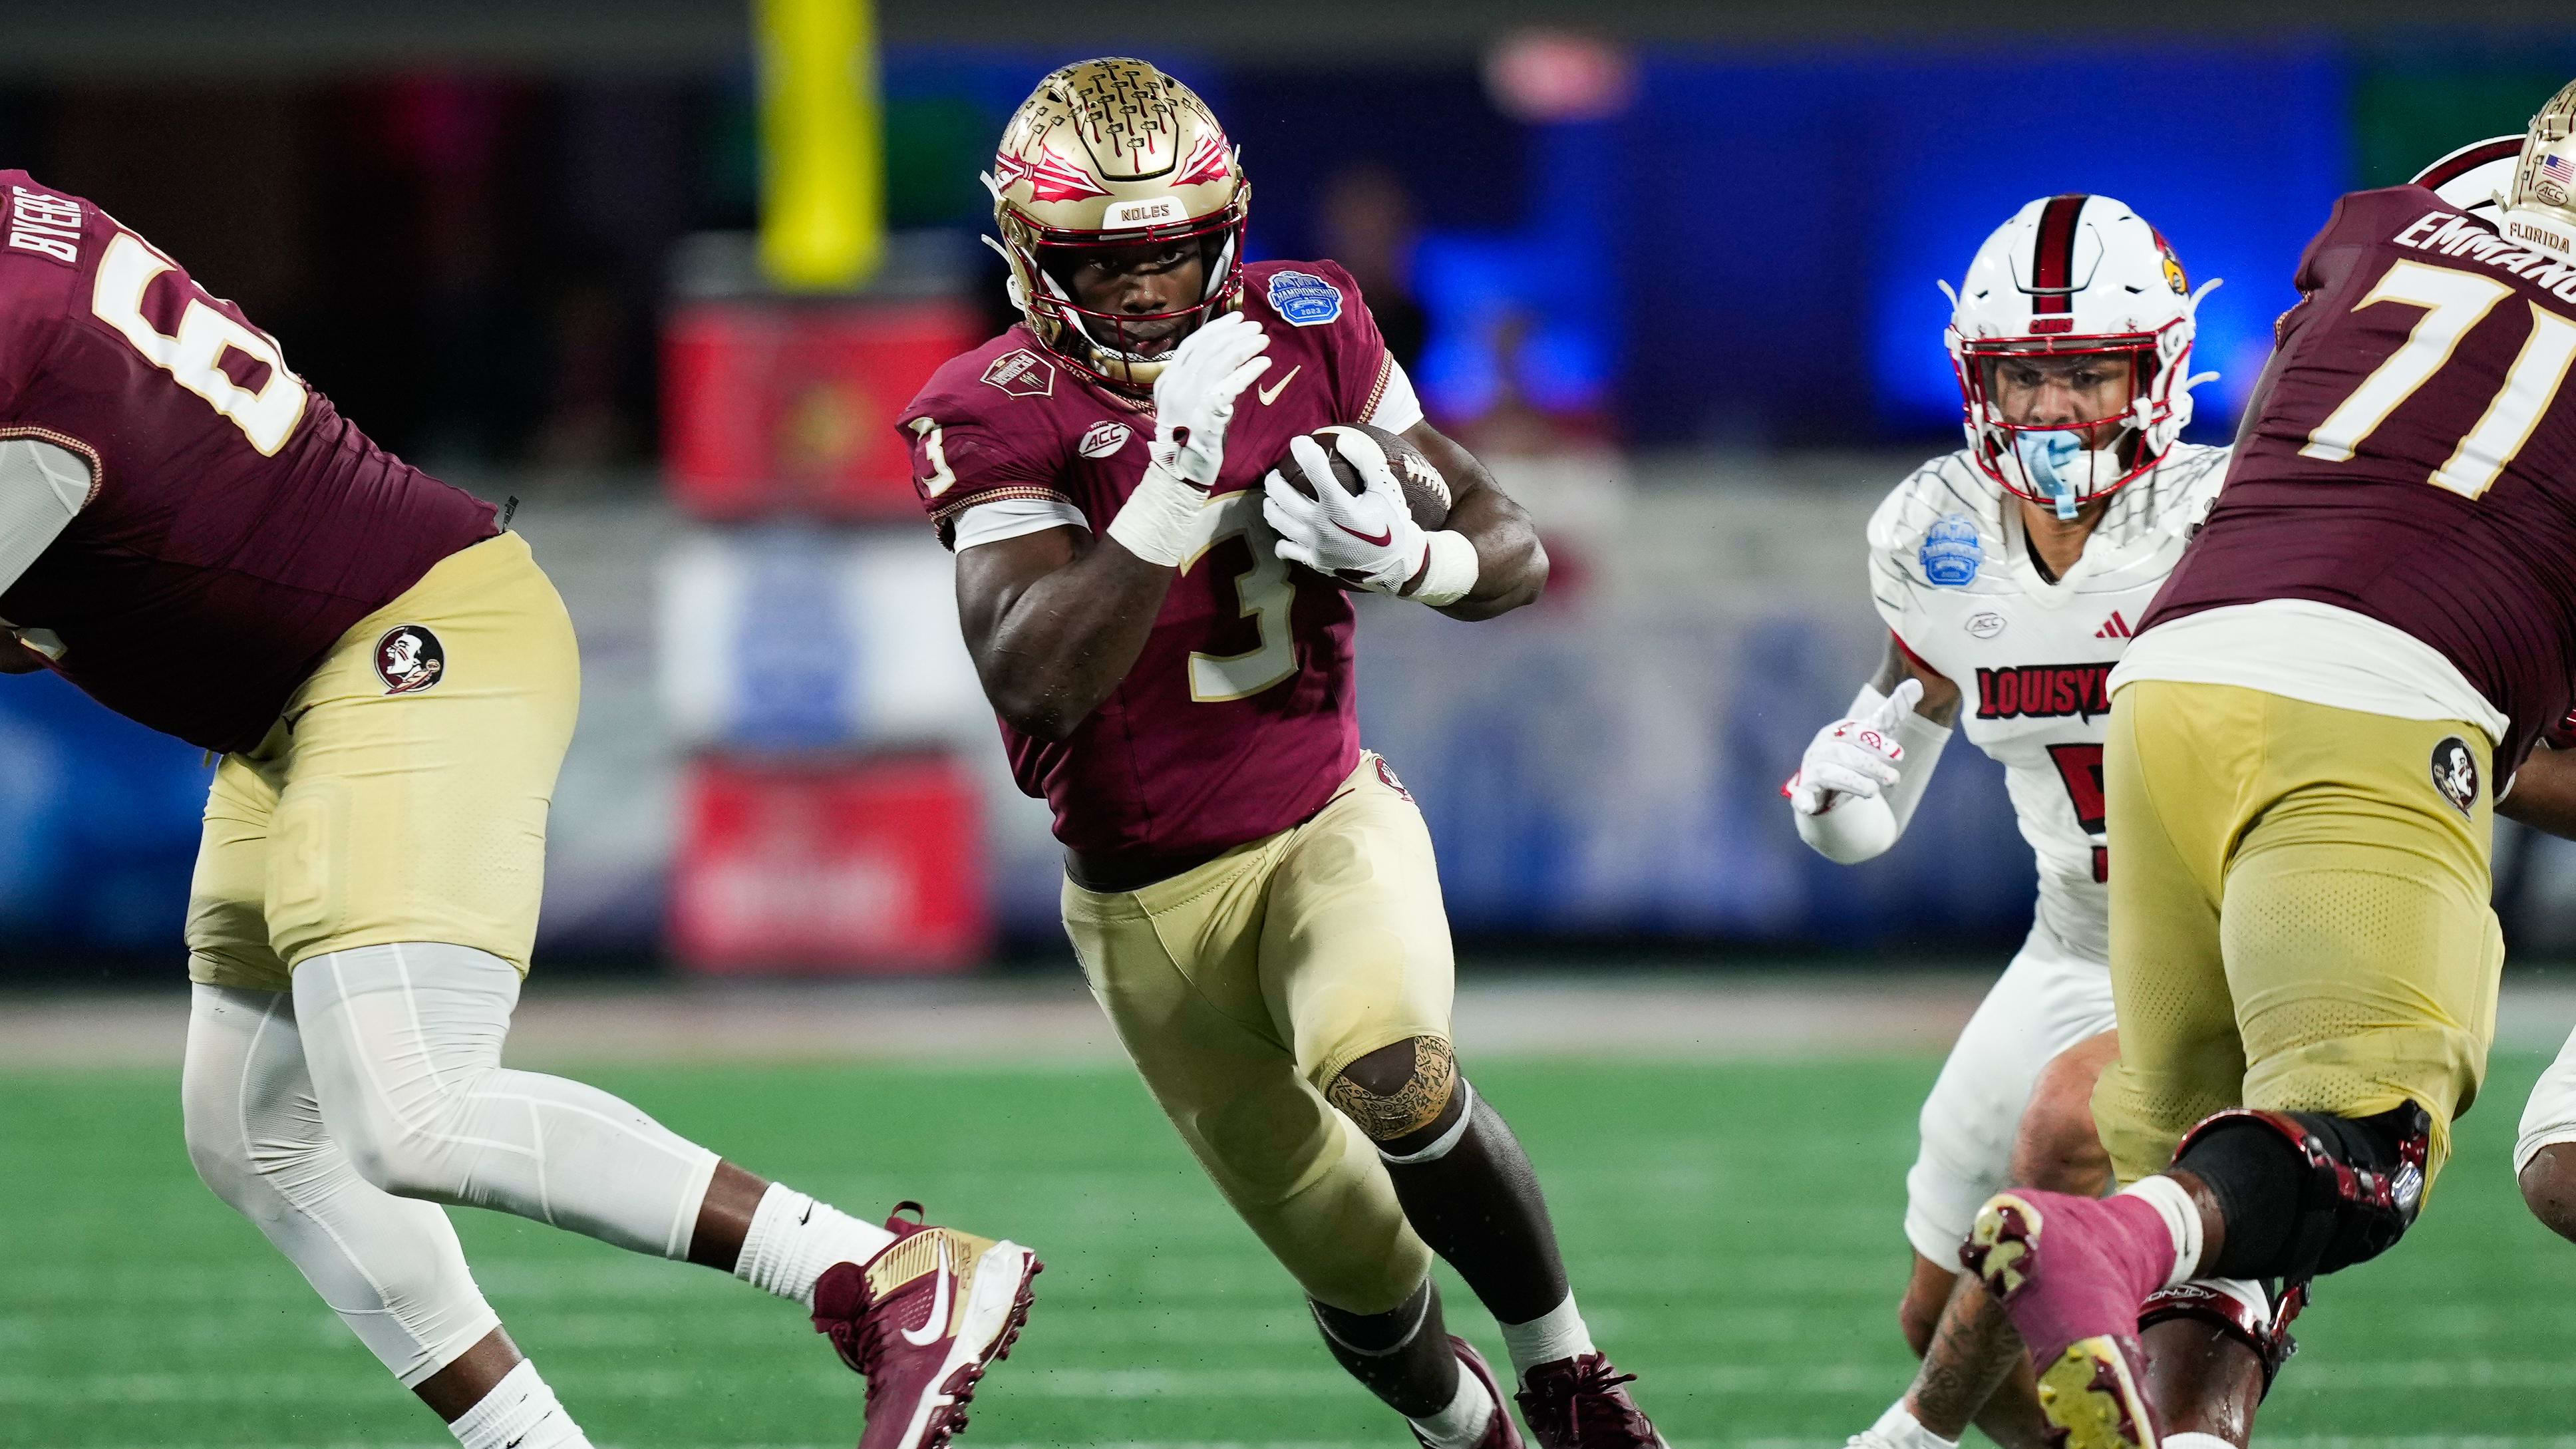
{"x":47,"y":225}
{"x":1951,"y":574}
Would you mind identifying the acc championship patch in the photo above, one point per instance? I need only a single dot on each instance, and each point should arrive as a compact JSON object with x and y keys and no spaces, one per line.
{"x":409,"y":659}
{"x":1305,"y":299}
{"x":1951,"y":553}
{"x":2455,"y":774}
{"x":1022,"y":373}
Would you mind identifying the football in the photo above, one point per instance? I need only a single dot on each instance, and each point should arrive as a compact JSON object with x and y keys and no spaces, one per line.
{"x":1426,"y":493}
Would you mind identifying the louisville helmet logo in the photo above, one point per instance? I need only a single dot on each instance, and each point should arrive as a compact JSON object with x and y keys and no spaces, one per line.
{"x":2455,"y":774}
{"x":409,"y":659}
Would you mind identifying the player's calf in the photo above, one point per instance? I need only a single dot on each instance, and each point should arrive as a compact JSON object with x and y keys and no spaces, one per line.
{"x":2056,"y":1145}
{"x":1469,"y":1190}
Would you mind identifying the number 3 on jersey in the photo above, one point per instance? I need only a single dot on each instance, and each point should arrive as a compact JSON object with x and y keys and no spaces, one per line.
{"x":2080,"y":767}
{"x":194,"y":355}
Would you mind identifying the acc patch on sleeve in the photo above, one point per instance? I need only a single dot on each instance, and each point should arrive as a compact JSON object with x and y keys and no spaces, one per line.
{"x":1305,"y":299}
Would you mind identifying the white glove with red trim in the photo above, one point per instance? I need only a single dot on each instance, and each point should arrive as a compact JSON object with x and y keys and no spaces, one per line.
{"x":1368,"y":538}
{"x":1850,"y":798}
{"x":1856,"y":756}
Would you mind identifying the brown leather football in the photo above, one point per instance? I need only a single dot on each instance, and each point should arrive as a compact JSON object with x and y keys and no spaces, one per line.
{"x":1426,"y":493}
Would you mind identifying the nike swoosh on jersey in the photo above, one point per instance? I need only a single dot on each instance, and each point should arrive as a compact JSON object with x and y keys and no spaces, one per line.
{"x":1373,"y":540}
{"x":935,"y":1327}
{"x":1276,"y":388}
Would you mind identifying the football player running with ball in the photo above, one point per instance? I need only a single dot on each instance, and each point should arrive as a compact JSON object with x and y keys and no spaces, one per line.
{"x":1251,"y":894}
{"x":2372,"y":630}
{"x":2015,"y":568}
{"x":391,"y":682}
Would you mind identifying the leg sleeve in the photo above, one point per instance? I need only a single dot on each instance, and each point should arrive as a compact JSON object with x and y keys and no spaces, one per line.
{"x":405,"y":1046}
{"x":2045,"y":1002}
{"x":390,"y":1267}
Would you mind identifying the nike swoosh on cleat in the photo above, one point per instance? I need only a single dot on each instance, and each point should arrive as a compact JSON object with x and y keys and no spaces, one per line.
{"x":1276,"y":388}
{"x":935,"y":1326}
{"x":1373,"y":540}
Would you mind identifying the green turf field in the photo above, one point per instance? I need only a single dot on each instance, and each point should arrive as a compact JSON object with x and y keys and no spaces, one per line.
{"x":1732,"y":1230}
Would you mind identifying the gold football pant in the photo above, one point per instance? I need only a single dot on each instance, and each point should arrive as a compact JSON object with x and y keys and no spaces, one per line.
{"x":2299,"y":915}
{"x":373,"y":815}
{"x":1244,"y":986}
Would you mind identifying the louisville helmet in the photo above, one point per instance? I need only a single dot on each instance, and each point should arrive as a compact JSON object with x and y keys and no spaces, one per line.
{"x":2073,"y":275}
{"x":1113,"y":152}
{"x":2540,"y":207}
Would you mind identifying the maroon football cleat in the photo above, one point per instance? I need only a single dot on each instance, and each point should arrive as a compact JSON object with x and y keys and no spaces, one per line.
{"x":1499,"y":1431}
{"x":921,"y":1320}
{"x":2070,"y":1272}
{"x":1580,"y":1403}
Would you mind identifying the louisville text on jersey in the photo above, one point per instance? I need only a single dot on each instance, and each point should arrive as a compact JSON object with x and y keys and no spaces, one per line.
{"x":2044,"y":691}
{"x":2454,"y":235}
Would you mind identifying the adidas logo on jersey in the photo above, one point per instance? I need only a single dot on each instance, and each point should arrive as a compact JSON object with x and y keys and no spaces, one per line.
{"x":2115,"y":628}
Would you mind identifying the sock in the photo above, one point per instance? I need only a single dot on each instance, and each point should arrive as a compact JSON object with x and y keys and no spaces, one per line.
{"x":2195,"y":1441}
{"x":1555,"y":1334}
{"x":794,"y":1238}
{"x":1464,"y":1422}
{"x":2173,"y":1202}
{"x":1900,"y":1429}
{"x":519,"y":1413}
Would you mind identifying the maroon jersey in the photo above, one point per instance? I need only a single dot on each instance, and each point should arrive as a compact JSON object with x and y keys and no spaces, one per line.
{"x":2414,"y":456}
{"x":237,"y":524}
{"x":1238,"y":719}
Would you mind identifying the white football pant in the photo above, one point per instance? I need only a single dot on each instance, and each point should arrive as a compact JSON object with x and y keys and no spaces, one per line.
{"x":2047,"y":1000}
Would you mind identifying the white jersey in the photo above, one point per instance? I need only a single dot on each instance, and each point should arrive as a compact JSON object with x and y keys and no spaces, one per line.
{"x":1951,"y":573}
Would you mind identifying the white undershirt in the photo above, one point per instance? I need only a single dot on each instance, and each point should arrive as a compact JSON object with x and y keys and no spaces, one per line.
{"x":1398,"y":408}
{"x":2300,"y":649}
{"x":42,"y":487}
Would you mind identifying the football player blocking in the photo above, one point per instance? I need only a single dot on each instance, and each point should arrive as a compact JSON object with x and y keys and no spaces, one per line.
{"x":2017,"y":568}
{"x":1163,"y":624}
{"x":2377,"y":619}
{"x":398,"y":685}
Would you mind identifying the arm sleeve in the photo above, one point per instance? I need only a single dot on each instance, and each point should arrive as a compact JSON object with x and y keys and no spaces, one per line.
{"x":1010,"y":518}
{"x":43,"y":486}
{"x":1397,"y":406}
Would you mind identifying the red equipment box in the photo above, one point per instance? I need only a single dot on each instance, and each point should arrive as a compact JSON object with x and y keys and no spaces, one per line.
{"x":872,"y":867}
{"x":777,"y":406}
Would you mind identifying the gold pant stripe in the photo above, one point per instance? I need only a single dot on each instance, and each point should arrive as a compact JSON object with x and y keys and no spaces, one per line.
{"x":368,"y":816}
{"x":2299,"y":917}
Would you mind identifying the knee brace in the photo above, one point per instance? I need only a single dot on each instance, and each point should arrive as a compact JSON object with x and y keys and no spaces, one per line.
{"x":2305,"y":1193}
{"x":2229,"y":1308}
{"x":1391,"y":1099}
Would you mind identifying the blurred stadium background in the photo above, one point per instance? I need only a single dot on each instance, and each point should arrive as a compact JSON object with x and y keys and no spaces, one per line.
{"x":1668,"y":267}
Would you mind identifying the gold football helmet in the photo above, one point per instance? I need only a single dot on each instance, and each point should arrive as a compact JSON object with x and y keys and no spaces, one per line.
{"x":2540,"y":210}
{"x":1113,"y":152}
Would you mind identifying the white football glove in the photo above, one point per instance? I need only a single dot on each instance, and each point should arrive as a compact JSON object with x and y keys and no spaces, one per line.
{"x":1856,"y":757}
{"x":1193,"y":403}
{"x":1194,"y":396}
{"x":1368,"y":538}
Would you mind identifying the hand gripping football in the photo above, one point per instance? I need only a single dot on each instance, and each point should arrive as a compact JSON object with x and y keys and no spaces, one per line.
{"x":1426,"y":493}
